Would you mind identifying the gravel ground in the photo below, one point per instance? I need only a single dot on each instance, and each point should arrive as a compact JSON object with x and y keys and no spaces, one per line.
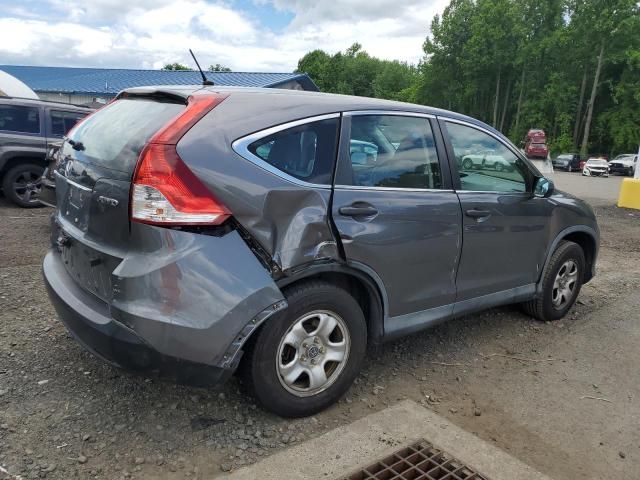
{"x":525,"y":385}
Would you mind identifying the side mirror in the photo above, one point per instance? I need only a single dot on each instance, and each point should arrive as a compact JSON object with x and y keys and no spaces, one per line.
{"x":543,"y":188}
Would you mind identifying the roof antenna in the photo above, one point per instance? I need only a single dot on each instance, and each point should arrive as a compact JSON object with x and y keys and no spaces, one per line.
{"x":204,"y":78}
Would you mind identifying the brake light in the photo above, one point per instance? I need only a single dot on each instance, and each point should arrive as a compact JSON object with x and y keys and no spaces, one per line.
{"x":164,"y":190}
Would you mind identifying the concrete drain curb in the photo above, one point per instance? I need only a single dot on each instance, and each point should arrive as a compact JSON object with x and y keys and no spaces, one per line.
{"x":342,"y":451}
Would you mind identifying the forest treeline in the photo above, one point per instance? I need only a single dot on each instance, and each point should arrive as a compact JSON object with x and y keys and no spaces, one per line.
{"x":571,"y":67}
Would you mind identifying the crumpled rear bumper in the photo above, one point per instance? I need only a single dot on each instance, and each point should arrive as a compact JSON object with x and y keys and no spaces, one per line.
{"x":173,"y":299}
{"x":87,"y":319}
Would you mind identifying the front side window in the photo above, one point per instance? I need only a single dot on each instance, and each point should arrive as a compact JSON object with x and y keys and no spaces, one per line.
{"x":17,"y":118}
{"x":485,"y":164}
{"x":62,"y":122}
{"x":393,"y":151}
{"x":306,"y":152}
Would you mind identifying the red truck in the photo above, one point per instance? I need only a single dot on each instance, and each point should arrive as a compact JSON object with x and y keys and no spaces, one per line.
{"x":535,"y":144}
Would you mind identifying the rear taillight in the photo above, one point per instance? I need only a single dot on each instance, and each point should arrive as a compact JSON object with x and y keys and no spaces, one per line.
{"x":164,"y":190}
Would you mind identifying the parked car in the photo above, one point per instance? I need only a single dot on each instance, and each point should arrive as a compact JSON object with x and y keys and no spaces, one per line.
{"x":596,"y":167}
{"x":567,"y":161}
{"x":27,"y":127}
{"x":535,"y":135}
{"x":534,"y":144}
{"x":216,"y":230}
{"x":625,"y":164}
{"x":536,"y":150}
{"x":47,"y":193}
{"x":488,"y":159}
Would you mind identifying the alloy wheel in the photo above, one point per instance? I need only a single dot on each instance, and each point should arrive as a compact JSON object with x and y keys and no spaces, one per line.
{"x":27,"y":186}
{"x":564,"y":285}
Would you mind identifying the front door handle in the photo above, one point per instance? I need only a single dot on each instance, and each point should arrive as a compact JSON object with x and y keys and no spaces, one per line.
{"x":364,"y":211}
{"x":477,"y":213}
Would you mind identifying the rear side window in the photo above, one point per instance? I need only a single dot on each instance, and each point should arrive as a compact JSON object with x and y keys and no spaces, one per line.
{"x":114,"y":136}
{"x":17,"y":118}
{"x":62,"y":122}
{"x":306,"y":152}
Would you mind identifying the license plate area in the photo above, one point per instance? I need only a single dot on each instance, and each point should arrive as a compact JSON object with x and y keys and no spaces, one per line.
{"x":89,"y":268}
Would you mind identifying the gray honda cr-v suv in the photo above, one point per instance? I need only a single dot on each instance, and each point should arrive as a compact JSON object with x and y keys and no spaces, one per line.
{"x":283,"y":232}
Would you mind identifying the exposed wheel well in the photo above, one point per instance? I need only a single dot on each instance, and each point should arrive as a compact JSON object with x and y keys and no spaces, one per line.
{"x":588,"y":245}
{"x":365,"y":293}
{"x":13,"y":161}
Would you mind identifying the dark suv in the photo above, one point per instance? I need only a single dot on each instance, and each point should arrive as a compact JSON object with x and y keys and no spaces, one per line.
{"x":569,"y":162}
{"x":283,"y":232}
{"x":27,"y":127}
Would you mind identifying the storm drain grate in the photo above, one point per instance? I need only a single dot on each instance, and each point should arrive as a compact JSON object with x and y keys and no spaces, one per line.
{"x":419,"y":461}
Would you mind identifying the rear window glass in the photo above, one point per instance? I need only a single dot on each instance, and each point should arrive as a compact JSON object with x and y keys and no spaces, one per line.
{"x":17,"y":118}
{"x":62,"y":122}
{"x":114,"y":136}
{"x":306,"y":152}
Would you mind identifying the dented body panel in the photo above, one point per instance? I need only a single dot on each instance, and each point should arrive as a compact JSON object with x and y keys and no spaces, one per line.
{"x":185,"y":295}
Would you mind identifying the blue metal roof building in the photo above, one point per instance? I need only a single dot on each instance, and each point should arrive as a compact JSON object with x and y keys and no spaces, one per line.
{"x":76,"y":84}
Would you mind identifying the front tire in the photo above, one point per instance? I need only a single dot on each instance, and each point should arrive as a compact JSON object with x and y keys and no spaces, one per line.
{"x":467,"y":164}
{"x":561,"y":283}
{"x":306,"y":357}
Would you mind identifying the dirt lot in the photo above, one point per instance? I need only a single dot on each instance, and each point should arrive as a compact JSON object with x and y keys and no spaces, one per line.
{"x":562,"y":397}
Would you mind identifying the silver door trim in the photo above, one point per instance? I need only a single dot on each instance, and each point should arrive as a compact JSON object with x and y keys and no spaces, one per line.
{"x":241,"y":147}
{"x":393,"y":189}
{"x":400,"y":113}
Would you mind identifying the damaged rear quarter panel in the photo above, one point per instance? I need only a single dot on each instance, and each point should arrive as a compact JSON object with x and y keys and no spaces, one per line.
{"x":189,"y":295}
{"x":288,"y":220}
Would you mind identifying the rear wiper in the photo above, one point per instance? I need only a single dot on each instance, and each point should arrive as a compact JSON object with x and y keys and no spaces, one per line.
{"x":76,"y":145}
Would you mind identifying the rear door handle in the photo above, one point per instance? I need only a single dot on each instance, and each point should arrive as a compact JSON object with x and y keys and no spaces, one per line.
{"x":476,"y":213}
{"x":364,"y":211}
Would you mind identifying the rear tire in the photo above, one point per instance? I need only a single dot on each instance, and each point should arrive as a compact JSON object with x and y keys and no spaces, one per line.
{"x":22,"y":183}
{"x":467,"y":164}
{"x":289,"y":370}
{"x":561,"y":283}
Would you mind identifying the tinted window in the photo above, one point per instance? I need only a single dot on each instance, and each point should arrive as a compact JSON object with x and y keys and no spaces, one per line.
{"x":16,"y":118}
{"x":114,"y":136}
{"x":306,"y":152}
{"x":393,"y":151}
{"x":484,"y":163}
{"x":62,"y":122}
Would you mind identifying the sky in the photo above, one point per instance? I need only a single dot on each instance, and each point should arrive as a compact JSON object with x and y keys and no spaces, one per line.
{"x":245,"y":35}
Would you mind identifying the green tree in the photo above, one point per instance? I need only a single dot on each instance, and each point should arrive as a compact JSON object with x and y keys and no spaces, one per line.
{"x":175,"y":66}
{"x":218,"y":68}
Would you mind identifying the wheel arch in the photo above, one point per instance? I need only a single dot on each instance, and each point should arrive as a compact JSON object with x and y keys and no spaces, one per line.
{"x":361,"y":284}
{"x":8,"y":162}
{"x":587,"y":238}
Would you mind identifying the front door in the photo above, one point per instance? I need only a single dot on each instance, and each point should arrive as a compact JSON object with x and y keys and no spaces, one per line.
{"x":505,"y":229}
{"x":394,"y":208}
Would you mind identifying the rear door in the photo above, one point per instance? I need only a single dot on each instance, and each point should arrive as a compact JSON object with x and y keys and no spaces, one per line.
{"x":505,"y":229}
{"x":394,"y":208}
